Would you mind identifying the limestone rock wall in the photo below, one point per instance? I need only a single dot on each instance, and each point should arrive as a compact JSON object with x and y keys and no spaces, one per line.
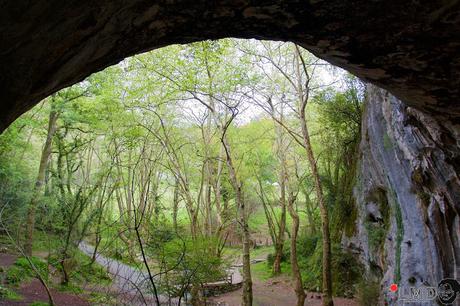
{"x":408,"y":196}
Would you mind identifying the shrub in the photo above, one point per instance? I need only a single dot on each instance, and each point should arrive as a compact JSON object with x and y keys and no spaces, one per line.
{"x":39,"y":264}
{"x":8,"y":294}
{"x":346,"y":270}
{"x":22,"y":270}
{"x":80,"y":270}
{"x":285,"y":257}
{"x":15,"y":275}
{"x":368,"y":292}
{"x":306,"y":245}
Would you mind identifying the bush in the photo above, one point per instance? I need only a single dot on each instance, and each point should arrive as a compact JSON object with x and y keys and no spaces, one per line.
{"x":306,"y":245}
{"x":346,"y":270}
{"x":285,"y":257}
{"x":22,"y":270}
{"x":8,"y":294}
{"x":368,"y":292}
{"x":80,"y":270}
{"x":94,"y":273}
{"x":39,"y":264}
{"x":14,"y":275}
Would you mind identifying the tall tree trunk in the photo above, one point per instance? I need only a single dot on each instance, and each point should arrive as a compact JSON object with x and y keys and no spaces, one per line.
{"x":281,"y":153}
{"x":237,"y":186}
{"x":175,"y":205}
{"x":46,"y":153}
{"x":327,"y":281}
{"x":303,"y":95}
{"x":299,"y":291}
{"x":310,"y":213}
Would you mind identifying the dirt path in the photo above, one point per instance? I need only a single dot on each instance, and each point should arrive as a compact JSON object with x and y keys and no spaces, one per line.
{"x":276,"y":292}
{"x":33,"y":291}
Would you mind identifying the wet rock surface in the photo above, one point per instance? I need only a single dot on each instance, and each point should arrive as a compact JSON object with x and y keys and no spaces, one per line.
{"x":407,"y":195}
{"x":411,"y":48}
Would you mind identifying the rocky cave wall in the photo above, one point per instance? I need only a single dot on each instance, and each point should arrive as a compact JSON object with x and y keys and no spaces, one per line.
{"x":407,"y":195}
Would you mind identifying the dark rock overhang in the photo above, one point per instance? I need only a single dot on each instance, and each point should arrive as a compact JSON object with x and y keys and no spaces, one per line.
{"x":411,"y":48}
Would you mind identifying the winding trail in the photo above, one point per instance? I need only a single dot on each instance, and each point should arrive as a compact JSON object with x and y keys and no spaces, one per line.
{"x":134,"y":286}
{"x":129,"y":282}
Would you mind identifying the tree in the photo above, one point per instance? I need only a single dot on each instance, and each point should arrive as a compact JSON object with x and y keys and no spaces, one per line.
{"x":290,"y":67}
{"x":64,"y":97}
{"x":46,"y":153}
{"x":242,"y":212}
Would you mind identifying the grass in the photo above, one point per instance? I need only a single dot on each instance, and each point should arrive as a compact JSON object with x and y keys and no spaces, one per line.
{"x":81,"y":272}
{"x":261,"y":252}
{"x":97,"y":298}
{"x":8,"y":294}
{"x":21,"y":270}
{"x":258,"y":222}
{"x":44,"y":242}
{"x":263,"y":272}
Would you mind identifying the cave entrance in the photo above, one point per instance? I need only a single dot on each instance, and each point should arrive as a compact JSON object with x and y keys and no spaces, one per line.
{"x":174,"y":160}
{"x":410,"y":50}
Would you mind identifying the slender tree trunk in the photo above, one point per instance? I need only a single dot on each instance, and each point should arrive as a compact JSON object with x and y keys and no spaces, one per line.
{"x":237,"y":186}
{"x":303,"y":94}
{"x":281,"y":153}
{"x":175,"y":205}
{"x":46,"y":153}
{"x":217,"y":188}
{"x":310,"y":216}
{"x":327,"y":280}
{"x":300,"y":293}
{"x":279,"y":241}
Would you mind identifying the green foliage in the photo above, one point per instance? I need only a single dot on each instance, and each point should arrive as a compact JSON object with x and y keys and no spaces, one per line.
{"x":307,"y":245}
{"x":22,"y":270}
{"x":81,"y":271}
{"x":184,"y":260}
{"x":263,"y":272}
{"x":346,"y":271}
{"x":368,"y":292}
{"x":340,"y":112}
{"x":8,"y":294}
{"x":39,"y":304}
{"x":271,"y":258}
{"x":387,"y":143}
{"x":129,"y":136}
{"x":14,"y":275}
{"x":376,"y":234}
{"x":97,"y":298}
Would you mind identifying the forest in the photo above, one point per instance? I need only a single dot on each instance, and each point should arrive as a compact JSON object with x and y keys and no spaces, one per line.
{"x":213,"y":173}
